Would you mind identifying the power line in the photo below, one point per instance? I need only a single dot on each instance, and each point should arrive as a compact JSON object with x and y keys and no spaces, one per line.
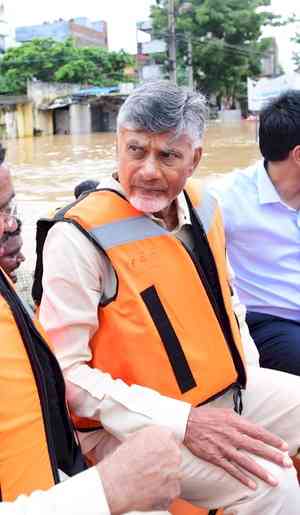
{"x":199,"y":41}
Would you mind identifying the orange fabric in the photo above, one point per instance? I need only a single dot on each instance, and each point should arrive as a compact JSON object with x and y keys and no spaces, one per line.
{"x":24,"y":459}
{"x":127,"y":343}
{"x":180,"y":507}
{"x":296,"y":461}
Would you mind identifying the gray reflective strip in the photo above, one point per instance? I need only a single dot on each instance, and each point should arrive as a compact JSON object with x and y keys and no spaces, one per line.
{"x":206,"y":210}
{"x":126,"y":231}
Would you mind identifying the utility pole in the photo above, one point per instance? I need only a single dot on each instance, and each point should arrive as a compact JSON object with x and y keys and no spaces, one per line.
{"x":172,"y":41}
{"x":190,"y":63}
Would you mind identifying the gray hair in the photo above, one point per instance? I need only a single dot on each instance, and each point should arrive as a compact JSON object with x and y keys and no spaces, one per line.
{"x":161,"y":106}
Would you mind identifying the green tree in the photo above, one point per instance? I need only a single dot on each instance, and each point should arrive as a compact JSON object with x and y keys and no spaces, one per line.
{"x":49,"y":60}
{"x":226,"y":42}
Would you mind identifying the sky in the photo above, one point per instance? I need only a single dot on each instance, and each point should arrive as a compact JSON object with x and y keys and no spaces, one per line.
{"x":121,"y":16}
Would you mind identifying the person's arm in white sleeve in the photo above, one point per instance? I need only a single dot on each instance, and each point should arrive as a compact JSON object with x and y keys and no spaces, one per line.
{"x":80,"y":494}
{"x":133,"y":478}
{"x":251,"y":352}
{"x":69,"y":312}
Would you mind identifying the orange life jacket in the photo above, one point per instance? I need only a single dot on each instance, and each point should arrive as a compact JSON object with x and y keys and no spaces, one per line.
{"x":36,"y":436}
{"x":163,"y":329}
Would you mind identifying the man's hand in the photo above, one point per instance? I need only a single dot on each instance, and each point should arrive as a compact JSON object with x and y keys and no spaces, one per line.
{"x":143,"y":473}
{"x":218,"y":435}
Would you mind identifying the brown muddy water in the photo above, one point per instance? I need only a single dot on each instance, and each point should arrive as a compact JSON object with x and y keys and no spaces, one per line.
{"x":46,"y":169}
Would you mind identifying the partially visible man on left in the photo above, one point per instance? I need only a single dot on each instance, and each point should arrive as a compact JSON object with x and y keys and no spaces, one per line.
{"x":11,"y":242}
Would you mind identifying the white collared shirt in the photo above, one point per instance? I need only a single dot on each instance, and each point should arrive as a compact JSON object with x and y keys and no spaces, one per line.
{"x":81,"y":494}
{"x":76,"y":275}
{"x":263,"y":242}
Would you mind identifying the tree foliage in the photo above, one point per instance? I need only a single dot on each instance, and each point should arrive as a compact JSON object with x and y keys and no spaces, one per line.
{"x":48,"y":60}
{"x":226,"y":42}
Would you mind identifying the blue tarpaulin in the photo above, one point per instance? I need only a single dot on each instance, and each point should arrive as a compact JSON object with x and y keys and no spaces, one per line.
{"x":96,"y":90}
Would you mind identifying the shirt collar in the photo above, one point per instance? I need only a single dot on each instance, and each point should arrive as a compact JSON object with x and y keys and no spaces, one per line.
{"x":183,"y":214}
{"x":267,"y":193}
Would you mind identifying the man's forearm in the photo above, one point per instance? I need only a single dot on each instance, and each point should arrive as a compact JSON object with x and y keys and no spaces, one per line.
{"x":77,"y":495}
{"x":122,"y":409}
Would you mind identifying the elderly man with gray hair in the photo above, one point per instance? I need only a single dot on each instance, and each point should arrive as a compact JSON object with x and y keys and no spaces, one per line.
{"x":147,"y":327}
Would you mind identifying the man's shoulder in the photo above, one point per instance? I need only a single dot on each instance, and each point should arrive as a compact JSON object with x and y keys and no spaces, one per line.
{"x":66,"y":235}
{"x":234,"y":184}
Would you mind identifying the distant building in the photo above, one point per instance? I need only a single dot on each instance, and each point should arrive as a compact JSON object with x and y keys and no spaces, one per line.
{"x":270,"y":66}
{"x":6,"y":33}
{"x":61,"y":108}
{"x":149,"y":67}
{"x":82,"y":30}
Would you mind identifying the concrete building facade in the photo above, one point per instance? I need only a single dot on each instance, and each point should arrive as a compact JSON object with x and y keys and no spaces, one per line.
{"x":84,"y":32}
{"x":148,"y":67}
{"x":270,"y":62}
{"x":58,"y":108}
{"x":16,"y":117}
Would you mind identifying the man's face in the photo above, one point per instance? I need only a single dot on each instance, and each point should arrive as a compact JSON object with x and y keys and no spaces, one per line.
{"x":153,"y":168}
{"x":8,"y":222}
{"x":11,"y":255}
{"x":10,"y":238}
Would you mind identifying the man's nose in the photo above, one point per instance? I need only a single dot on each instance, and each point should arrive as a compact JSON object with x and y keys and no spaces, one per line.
{"x":150,"y":168}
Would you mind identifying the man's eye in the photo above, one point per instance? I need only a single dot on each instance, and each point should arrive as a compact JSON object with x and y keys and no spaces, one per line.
{"x":136,"y":151}
{"x":168,"y":155}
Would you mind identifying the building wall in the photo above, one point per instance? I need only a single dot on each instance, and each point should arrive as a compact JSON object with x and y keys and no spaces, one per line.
{"x":24,"y":120}
{"x":43,"y":122}
{"x":151,"y":72}
{"x":43,"y":92}
{"x":86,"y":36}
{"x":84,"y":32}
{"x":2,"y":124}
{"x":80,"y":119}
{"x":11,"y":125}
{"x":58,"y":30}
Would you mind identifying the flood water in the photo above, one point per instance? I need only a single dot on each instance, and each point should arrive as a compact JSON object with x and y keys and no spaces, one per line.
{"x":46,"y":169}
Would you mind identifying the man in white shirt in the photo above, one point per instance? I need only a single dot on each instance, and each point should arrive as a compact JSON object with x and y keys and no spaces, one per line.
{"x":139,"y":311}
{"x":261,"y":212}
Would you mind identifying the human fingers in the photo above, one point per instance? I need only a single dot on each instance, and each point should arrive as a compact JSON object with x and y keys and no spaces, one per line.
{"x":232,"y":469}
{"x":265,"y":451}
{"x":259,"y":433}
{"x":246,"y":463}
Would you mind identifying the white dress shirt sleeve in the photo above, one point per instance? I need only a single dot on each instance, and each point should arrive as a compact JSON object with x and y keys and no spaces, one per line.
{"x":251,"y":352}
{"x":74,"y":278}
{"x":80,"y":494}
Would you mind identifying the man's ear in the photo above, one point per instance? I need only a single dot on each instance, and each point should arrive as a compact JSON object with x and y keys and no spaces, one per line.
{"x":296,"y":154}
{"x":196,"y":159}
